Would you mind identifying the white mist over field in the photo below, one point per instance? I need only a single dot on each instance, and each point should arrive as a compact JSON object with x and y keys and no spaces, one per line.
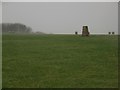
{"x":63,"y":17}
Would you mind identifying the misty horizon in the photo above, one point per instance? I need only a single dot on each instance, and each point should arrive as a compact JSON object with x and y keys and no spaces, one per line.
{"x":64,"y":17}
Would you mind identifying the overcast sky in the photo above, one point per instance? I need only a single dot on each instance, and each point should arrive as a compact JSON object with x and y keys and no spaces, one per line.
{"x":63,"y":17}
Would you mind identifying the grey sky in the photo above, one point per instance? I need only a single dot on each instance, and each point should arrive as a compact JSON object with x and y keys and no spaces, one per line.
{"x":0,"y":25}
{"x":63,"y":17}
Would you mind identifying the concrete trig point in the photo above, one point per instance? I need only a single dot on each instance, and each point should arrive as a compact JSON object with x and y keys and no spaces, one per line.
{"x":85,"y":31}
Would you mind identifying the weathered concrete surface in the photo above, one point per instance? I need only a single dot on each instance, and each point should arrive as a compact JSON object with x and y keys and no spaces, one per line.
{"x":85,"y":31}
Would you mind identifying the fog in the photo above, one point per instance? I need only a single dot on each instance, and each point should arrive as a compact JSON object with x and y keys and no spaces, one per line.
{"x":63,"y":17}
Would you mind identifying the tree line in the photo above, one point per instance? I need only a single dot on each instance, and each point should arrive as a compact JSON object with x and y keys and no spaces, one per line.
{"x":15,"y":28}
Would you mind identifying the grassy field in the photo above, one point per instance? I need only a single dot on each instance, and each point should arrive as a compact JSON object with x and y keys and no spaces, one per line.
{"x":60,"y":61}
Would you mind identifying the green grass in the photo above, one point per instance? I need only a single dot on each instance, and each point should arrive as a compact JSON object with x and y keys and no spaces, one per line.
{"x":60,"y":61}
{"x":0,"y":61}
